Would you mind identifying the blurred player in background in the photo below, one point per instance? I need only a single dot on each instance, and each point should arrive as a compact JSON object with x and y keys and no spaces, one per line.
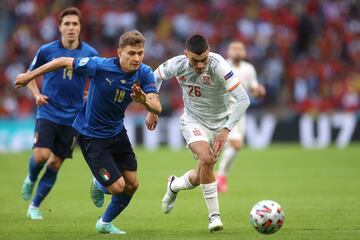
{"x":59,"y":102}
{"x":206,"y":79}
{"x":114,"y":83}
{"x":247,"y":74}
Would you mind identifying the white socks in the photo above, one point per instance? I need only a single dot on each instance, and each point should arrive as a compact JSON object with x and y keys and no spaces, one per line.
{"x":209,"y":191}
{"x":226,"y":161}
{"x":182,"y":183}
{"x":211,"y":197}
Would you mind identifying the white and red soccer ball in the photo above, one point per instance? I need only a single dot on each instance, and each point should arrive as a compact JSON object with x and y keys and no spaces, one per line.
{"x":267,"y":217}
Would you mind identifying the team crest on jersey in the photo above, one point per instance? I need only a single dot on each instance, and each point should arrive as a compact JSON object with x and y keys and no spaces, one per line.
{"x":197,"y":132}
{"x":104,"y":174}
{"x":123,"y":81}
{"x":229,"y":75}
{"x":206,"y":79}
{"x":84,"y":61}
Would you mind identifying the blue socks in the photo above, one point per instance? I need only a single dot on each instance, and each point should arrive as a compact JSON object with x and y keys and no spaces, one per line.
{"x":101,"y":187}
{"x":34,"y":169}
{"x":45,"y":185}
{"x":117,"y":205}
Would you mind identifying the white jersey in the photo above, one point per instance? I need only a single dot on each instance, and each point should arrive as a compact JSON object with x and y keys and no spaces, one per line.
{"x":247,"y":74}
{"x":206,"y":95}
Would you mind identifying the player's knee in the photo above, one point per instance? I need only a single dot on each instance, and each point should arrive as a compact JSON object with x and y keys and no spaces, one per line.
{"x":208,"y":160}
{"x":237,"y":145}
{"x":117,"y":187}
{"x":41,"y":156}
{"x":132,"y":187}
{"x":54,"y":164}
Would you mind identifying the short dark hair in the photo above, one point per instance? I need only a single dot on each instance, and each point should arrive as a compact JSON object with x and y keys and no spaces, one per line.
{"x":69,"y":11}
{"x":197,"y":44}
{"x":131,"y":38}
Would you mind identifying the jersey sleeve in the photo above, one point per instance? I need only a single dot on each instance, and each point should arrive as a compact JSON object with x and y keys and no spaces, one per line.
{"x":85,"y":66}
{"x":38,"y":60}
{"x":94,"y":53}
{"x":165,"y":71}
{"x":148,"y":81}
{"x":225,"y":72}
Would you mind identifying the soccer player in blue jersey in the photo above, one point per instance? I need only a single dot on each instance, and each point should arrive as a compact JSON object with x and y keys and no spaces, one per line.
{"x":114,"y":83}
{"x":58,"y":103}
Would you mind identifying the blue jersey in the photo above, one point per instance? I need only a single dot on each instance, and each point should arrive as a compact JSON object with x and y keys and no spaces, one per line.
{"x":64,"y":88}
{"x":102,"y":115}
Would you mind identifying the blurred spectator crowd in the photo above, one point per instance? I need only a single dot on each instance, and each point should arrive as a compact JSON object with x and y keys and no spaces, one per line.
{"x":306,"y":53}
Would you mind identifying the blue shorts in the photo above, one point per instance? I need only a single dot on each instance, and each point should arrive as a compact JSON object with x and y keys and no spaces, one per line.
{"x":108,"y":157}
{"x":60,"y":139}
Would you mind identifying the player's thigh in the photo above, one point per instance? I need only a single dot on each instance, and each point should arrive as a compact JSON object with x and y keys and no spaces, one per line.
{"x":44,"y":139}
{"x":203,"y":152}
{"x":65,"y":141}
{"x":97,"y":153}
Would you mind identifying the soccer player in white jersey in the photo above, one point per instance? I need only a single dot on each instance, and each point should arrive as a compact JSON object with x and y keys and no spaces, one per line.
{"x":206,"y":80}
{"x":246,"y":72}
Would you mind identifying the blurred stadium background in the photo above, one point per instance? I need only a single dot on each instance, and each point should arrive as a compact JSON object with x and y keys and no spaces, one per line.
{"x":306,"y":53}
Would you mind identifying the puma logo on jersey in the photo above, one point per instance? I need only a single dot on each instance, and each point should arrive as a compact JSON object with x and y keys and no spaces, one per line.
{"x":109,"y":81}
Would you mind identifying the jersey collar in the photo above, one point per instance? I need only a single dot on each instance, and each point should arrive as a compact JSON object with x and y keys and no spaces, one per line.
{"x":62,"y":46}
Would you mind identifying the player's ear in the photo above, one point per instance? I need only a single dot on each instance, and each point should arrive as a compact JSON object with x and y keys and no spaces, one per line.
{"x":186,"y":53}
{"x":119,"y":51}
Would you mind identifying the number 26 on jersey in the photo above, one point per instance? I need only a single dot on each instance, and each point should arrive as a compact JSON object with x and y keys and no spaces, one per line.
{"x":194,"y":91}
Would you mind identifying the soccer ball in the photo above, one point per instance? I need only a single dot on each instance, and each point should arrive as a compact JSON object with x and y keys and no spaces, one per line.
{"x":267,"y":217}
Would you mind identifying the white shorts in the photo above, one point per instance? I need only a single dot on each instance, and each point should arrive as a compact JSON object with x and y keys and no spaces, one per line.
{"x":193,"y":131}
{"x":238,"y":132}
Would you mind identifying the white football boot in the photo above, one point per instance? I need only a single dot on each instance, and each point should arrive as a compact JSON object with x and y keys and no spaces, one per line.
{"x":215,"y":223}
{"x":168,"y":201}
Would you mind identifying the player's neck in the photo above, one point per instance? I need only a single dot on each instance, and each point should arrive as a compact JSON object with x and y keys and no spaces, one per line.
{"x":70,"y":44}
{"x":236,"y":63}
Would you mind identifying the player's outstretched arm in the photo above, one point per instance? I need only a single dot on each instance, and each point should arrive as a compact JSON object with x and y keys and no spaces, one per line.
{"x":24,"y":78}
{"x":150,"y":101}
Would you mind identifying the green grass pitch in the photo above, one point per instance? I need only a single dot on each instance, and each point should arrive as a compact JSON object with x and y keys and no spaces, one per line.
{"x":319,"y":191}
